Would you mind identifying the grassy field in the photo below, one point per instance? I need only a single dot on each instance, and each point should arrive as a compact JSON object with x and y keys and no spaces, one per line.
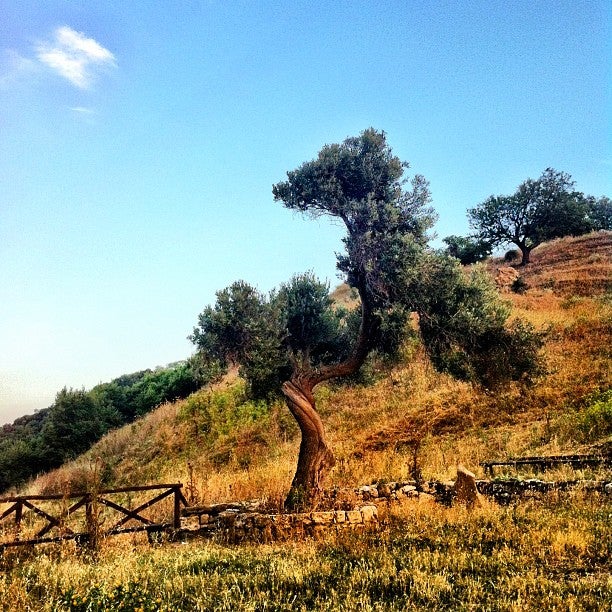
{"x":550,"y":554}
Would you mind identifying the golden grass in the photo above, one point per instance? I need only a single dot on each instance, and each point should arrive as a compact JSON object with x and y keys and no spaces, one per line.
{"x":550,"y":555}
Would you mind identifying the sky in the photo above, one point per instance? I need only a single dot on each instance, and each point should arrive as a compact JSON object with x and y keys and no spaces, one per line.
{"x":139,"y":142}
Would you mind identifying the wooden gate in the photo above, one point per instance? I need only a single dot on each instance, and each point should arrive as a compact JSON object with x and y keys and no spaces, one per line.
{"x":36,"y":519}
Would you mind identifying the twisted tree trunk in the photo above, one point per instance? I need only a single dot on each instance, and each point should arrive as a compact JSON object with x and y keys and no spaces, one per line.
{"x":316,"y":458}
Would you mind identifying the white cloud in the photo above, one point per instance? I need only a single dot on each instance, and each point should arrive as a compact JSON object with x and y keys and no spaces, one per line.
{"x":74,"y":56}
{"x":83,"y":110}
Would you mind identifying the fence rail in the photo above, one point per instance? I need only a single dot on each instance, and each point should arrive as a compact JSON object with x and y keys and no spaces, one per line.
{"x":543,"y":463}
{"x":61,"y":515}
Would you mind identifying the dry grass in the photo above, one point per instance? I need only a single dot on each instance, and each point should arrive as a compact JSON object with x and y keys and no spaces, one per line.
{"x":551,"y":555}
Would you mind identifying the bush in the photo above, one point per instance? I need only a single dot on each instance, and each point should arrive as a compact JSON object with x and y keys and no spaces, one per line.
{"x":468,"y":250}
{"x":519,"y":285}
{"x":595,"y":421}
{"x":512,"y":255}
{"x":590,"y":422}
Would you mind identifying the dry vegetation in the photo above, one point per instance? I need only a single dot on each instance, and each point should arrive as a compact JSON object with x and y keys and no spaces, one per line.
{"x":551,"y":555}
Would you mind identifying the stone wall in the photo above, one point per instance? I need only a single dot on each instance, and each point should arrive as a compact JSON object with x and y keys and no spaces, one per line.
{"x":235,"y":524}
{"x":356,"y":508}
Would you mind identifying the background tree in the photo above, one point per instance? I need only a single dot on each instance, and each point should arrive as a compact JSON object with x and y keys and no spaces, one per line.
{"x":539,"y":210}
{"x":599,"y":212}
{"x":469,"y":249}
{"x":297,"y":337}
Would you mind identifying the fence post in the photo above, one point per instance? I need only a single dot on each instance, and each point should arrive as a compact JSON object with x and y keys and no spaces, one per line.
{"x":176,"y":523}
{"x":18,"y":517}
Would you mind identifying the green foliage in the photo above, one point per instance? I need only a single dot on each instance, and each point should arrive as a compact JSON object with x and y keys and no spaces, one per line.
{"x":73,"y":424}
{"x":295,"y":326}
{"x":468,"y":250}
{"x":539,"y":210}
{"x":312,"y":326}
{"x":360,"y":182}
{"x":519,"y":285}
{"x":512,"y":255}
{"x":78,"y":418}
{"x":295,"y":332}
{"x":590,"y":422}
{"x":464,"y":327}
{"x":243,"y":328}
{"x":599,"y":212}
{"x":216,"y":415}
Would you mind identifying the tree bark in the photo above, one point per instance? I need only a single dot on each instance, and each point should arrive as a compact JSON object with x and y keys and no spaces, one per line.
{"x":526,"y":252}
{"x":316,"y":458}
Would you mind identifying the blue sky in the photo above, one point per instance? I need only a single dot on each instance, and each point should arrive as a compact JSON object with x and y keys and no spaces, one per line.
{"x":139,"y":142}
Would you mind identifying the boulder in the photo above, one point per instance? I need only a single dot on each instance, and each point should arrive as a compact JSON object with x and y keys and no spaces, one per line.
{"x":505,"y":278}
{"x":369,"y":514}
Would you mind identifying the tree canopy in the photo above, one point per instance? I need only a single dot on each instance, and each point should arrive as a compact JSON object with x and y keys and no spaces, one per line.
{"x":468,"y":250}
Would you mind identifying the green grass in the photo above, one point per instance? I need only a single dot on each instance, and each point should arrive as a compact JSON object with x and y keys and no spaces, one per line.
{"x":550,"y":555}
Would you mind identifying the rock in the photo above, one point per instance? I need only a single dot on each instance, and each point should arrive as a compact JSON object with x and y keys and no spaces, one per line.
{"x":190,"y":523}
{"x":322,"y":518}
{"x":340,"y":516}
{"x":505,"y":277}
{"x":384,"y":490}
{"x":465,"y":488}
{"x":608,"y":488}
{"x":369,"y":514}
{"x":228,"y":517}
{"x":354,"y":516}
{"x":408,"y":491}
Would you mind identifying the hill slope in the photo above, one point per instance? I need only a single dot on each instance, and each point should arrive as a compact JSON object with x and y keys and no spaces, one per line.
{"x":225,"y":447}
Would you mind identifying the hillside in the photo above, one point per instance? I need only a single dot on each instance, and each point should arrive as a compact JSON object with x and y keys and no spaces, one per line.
{"x":225,"y":447}
{"x":540,"y":553}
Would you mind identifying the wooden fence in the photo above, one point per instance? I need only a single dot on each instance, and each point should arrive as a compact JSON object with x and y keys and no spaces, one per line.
{"x":542,"y":463}
{"x":77,"y":516}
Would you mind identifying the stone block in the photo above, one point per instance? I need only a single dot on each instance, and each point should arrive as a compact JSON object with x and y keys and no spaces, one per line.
{"x":322,"y":518}
{"x":190,"y":523}
{"x":408,"y":491}
{"x":369,"y":514}
{"x":465,"y":488}
{"x":354,"y":516}
{"x":340,"y":516}
{"x":227,"y":517}
{"x":261,"y":520}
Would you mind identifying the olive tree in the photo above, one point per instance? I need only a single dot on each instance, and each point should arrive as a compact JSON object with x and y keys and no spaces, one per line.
{"x":296,"y":339}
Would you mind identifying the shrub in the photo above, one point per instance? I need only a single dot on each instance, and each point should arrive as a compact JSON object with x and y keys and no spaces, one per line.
{"x":512,"y":255}
{"x":519,"y":285}
{"x":590,"y":422}
{"x":595,"y":421}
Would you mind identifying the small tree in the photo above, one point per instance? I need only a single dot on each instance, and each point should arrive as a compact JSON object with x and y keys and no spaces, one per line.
{"x":599,"y":211}
{"x":539,"y":210}
{"x":297,"y":337}
{"x":468,"y":250}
